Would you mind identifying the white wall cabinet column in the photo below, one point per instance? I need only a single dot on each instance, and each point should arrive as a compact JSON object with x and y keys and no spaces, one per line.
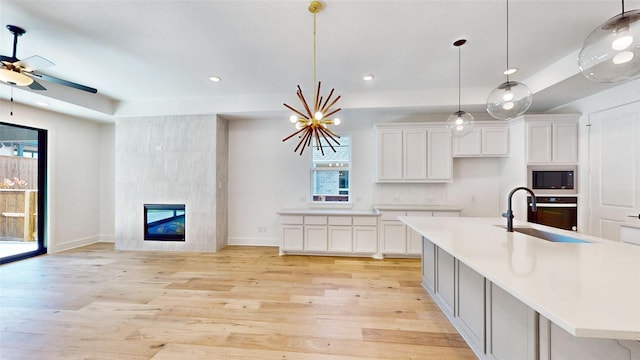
{"x":390,"y":155}
{"x":413,"y":153}
{"x":551,"y":139}
{"x":439,"y":159}
{"x":489,"y":139}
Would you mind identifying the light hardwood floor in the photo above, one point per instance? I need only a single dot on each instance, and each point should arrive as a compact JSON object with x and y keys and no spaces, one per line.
{"x":239,"y":303}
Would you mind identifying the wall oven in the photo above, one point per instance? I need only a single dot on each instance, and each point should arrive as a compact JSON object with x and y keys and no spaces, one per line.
{"x":552,"y":179}
{"x":559,"y":212}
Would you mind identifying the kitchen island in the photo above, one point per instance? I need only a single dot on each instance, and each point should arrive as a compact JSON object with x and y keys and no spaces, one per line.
{"x":515,"y":296}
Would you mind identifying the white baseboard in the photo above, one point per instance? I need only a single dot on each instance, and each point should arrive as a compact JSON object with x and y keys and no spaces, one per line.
{"x":253,"y":241}
{"x":108,"y":238}
{"x":54,"y":248}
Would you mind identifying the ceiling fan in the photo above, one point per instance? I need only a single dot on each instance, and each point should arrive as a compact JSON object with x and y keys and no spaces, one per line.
{"x":22,"y":72}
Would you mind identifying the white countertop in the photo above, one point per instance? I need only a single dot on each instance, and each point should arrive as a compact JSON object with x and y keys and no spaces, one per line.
{"x":589,"y":290}
{"x":329,"y":212}
{"x":415,"y":207}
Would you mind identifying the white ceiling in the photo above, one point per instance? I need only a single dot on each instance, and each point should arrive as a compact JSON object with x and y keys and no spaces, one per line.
{"x":155,"y":57}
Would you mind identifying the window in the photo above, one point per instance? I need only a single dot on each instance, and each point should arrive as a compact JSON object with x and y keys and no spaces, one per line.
{"x":330,"y":173}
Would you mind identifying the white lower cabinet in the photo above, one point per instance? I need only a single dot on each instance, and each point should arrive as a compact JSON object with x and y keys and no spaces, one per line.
{"x":326,"y":235}
{"x":498,"y":326}
{"x":396,"y":239}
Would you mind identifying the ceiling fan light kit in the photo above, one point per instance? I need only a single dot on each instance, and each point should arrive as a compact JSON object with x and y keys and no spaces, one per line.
{"x":312,"y":126}
{"x":460,"y":123}
{"x":22,"y":72}
{"x":511,"y":98}
{"x":611,"y":53}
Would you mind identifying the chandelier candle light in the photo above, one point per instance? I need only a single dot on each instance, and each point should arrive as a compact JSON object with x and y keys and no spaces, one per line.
{"x":511,"y":98}
{"x":311,"y":126}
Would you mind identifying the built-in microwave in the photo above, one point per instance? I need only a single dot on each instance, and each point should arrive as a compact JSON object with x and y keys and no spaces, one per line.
{"x":553,"y":179}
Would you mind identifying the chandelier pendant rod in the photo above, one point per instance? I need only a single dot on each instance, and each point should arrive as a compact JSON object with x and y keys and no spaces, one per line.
{"x":507,"y":69}
{"x":316,"y":88}
{"x":459,"y":79}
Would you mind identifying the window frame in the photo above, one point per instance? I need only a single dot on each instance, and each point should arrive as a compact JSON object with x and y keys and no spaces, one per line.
{"x":313,"y":169}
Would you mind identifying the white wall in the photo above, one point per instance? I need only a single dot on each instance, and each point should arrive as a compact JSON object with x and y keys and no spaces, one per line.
{"x":75,"y":189}
{"x":266,"y":176}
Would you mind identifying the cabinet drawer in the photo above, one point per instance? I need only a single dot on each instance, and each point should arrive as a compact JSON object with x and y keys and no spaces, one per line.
{"x":339,"y":220}
{"x":365,"y":220}
{"x":391,"y":215}
{"x":315,"y":220}
{"x":291,"y":219}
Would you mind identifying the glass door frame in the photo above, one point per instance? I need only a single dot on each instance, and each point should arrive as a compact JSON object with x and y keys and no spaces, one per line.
{"x":42,"y":196}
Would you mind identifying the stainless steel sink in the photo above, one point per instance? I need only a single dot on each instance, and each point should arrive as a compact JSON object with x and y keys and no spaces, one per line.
{"x":545,"y":235}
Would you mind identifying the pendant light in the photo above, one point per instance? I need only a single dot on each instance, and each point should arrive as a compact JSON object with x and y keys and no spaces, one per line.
{"x":511,"y":98}
{"x":312,"y":126}
{"x":460,"y":122}
{"x":611,"y":53}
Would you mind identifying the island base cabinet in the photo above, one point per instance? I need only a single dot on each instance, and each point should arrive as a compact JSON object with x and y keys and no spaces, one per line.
{"x":471,"y":306}
{"x":557,"y":344}
{"x":428,"y":265}
{"x":511,"y":327}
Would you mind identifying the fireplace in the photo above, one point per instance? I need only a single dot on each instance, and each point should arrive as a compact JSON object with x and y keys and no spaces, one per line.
{"x":164,"y":222}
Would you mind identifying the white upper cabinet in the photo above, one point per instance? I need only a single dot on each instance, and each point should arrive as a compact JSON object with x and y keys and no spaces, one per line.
{"x":390,"y":150}
{"x":552,"y":139}
{"x":489,"y":139}
{"x":413,"y":153}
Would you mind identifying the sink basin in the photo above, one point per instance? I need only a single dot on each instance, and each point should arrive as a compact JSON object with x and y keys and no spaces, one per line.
{"x":545,"y":235}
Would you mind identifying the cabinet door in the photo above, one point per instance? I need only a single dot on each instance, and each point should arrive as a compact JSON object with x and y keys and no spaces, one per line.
{"x":340,"y":239}
{"x":394,"y":235}
{"x":538,"y":142}
{"x":512,"y":327}
{"x":564,"y":142}
{"x":414,"y":242}
{"x":439,"y":160}
{"x":495,"y":141}
{"x":390,"y":155}
{"x":315,"y":238}
{"x":291,"y":237}
{"x":365,"y":239}
{"x":468,"y":145}
{"x":415,"y":154}
{"x":471,"y":305}
{"x":446,"y":284}
{"x":429,"y":265}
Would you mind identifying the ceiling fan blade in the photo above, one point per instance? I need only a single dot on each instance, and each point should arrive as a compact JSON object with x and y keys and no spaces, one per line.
{"x":33,"y":63}
{"x":36,"y":86}
{"x":63,"y":82}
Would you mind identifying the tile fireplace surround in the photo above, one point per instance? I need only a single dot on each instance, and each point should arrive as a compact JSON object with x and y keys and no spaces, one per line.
{"x":172,"y":160}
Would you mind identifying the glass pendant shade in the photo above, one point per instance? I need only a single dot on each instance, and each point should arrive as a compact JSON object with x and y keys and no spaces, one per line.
{"x":611,"y":53}
{"x":460,"y":123}
{"x":508,"y":100}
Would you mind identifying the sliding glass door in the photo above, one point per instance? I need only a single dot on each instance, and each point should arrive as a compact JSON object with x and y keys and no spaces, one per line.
{"x":23,"y":164}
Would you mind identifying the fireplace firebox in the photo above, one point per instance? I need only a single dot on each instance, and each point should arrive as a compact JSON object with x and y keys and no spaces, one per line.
{"x":164,"y":222}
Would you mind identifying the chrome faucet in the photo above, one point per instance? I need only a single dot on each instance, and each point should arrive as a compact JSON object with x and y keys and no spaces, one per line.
{"x":509,"y":213}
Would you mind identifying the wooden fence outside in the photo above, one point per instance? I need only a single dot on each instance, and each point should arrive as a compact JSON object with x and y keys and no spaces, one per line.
{"x":18,"y":214}
{"x":19,"y":167}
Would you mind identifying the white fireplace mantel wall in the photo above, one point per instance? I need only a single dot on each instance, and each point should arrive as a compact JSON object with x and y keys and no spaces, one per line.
{"x":171,"y":160}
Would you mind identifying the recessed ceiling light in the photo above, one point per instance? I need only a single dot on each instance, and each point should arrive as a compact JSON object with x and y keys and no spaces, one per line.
{"x":215,"y":78}
{"x":510,"y":71}
{"x":41,"y":103}
{"x":368,"y":77}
